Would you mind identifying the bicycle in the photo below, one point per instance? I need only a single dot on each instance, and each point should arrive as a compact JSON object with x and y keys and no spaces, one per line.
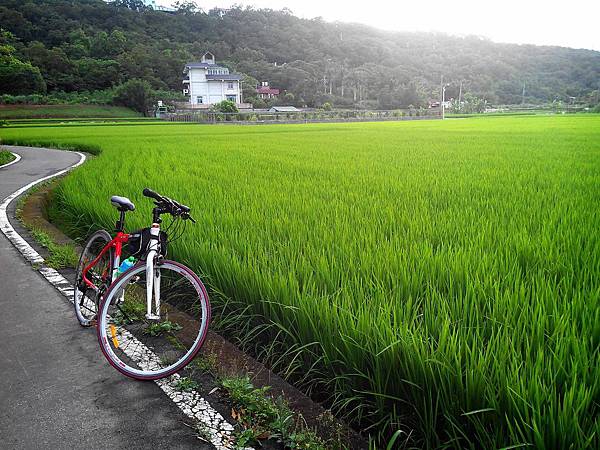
{"x":151,"y":318}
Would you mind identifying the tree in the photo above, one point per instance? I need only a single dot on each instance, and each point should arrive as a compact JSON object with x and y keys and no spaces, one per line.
{"x":248,"y":87}
{"x":186,"y":7}
{"x":97,"y":73}
{"x":317,"y":61}
{"x":135,"y":94}
{"x":17,"y":77}
{"x":135,"y":5}
{"x":226,"y":106}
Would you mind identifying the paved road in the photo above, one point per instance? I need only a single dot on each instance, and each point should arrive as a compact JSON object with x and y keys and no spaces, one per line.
{"x":56,"y":389}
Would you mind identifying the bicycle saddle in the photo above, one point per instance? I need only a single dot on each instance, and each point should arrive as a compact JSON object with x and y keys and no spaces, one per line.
{"x":122,"y":203}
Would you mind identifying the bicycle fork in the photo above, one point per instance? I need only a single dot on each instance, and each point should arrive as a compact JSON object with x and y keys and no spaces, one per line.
{"x":153,"y":276}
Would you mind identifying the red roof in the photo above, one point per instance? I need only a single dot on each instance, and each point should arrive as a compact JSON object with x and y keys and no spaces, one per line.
{"x":267,"y":90}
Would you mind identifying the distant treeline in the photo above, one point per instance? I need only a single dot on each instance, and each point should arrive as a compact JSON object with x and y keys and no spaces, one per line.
{"x":89,"y":45}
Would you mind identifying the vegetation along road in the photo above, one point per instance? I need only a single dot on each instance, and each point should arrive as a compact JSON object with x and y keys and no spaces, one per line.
{"x":440,"y":278}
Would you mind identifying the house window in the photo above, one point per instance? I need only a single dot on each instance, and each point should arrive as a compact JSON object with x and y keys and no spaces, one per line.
{"x":199,"y":99}
{"x":230,"y":85}
{"x":231,"y":98}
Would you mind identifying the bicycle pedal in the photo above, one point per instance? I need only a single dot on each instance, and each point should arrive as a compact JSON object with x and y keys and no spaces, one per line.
{"x":152,"y":317}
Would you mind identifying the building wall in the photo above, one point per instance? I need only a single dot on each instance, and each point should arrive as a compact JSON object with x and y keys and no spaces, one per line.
{"x":211,"y":91}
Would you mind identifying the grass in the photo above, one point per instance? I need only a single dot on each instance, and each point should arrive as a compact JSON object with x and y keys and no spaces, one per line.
{"x":10,"y":112}
{"x":186,"y":384}
{"x":5,"y":157}
{"x":438,"y":278}
{"x":61,"y":256}
{"x":261,"y":417}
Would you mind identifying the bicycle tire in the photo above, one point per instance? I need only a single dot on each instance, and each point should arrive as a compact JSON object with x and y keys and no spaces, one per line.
{"x":84,"y":306}
{"x":128,"y":346}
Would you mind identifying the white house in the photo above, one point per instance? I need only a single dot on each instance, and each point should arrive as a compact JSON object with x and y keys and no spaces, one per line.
{"x":207,"y":83}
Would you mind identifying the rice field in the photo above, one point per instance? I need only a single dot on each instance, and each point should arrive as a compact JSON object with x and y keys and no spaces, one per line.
{"x":15,"y":112}
{"x":439,"y":278}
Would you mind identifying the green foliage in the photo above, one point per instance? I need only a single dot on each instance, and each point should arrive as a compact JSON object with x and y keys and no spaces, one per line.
{"x":470,"y":105}
{"x":21,"y":111}
{"x":135,"y":94}
{"x":92,"y":149}
{"x":263,"y":417}
{"x":16,"y":76}
{"x":61,"y":256}
{"x":226,"y":106}
{"x":205,"y":363}
{"x":5,"y":157}
{"x":433,"y":276}
{"x":186,"y":384}
{"x":166,"y":326}
{"x":343,"y":64}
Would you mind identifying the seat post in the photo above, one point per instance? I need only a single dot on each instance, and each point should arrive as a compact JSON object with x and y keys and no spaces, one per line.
{"x":120,"y":226}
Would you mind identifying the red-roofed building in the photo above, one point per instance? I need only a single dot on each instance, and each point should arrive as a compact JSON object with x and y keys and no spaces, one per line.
{"x":265,"y":91}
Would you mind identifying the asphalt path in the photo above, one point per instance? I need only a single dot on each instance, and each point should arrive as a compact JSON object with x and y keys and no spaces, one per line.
{"x":56,"y":389}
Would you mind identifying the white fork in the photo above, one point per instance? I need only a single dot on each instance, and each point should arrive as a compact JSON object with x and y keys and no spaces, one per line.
{"x":153,"y":276}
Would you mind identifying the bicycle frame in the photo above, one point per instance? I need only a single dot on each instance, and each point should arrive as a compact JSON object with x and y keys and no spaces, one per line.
{"x":152,"y":273}
{"x":116,"y":243}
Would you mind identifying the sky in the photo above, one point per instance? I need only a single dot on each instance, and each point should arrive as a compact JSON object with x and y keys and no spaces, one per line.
{"x":568,"y":23}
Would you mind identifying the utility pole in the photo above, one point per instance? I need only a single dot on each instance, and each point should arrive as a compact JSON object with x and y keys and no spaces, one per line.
{"x":523,"y":95}
{"x":443,"y":94}
{"x":460,"y":94}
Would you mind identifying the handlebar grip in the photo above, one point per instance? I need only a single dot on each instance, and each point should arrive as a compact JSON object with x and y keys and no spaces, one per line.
{"x":151,"y":194}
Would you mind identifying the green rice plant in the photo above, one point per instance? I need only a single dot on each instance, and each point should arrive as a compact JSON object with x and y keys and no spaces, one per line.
{"x":64,"y":111}
{"x":435,"y":277}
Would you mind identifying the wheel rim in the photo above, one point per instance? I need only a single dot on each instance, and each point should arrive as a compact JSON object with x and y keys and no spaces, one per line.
{"x":86,"y":299}
{"x":151,"y":349}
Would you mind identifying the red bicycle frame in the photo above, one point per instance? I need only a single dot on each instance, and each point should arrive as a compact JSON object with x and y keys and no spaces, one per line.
{"x":116,"y":243}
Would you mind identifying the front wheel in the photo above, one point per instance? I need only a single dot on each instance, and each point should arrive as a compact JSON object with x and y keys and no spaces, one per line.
{"x":86,"y":299}
{"x":149,"y":349}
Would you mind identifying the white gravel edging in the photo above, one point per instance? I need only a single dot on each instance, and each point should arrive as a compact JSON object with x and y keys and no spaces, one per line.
{"x":14,"y":161}
{"x":219,"y":431}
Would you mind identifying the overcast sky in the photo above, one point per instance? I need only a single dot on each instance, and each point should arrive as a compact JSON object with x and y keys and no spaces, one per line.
{"x":568,"y":23}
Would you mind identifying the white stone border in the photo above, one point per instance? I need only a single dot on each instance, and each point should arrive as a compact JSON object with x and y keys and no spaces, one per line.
{"x":14,"y":161}
{"x":218,"y":430}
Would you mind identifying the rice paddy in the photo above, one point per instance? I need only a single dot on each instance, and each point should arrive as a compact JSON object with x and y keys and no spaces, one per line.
{"x":439,"y":278}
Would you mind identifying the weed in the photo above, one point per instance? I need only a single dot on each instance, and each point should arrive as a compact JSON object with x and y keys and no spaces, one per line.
{"x":186,"y":384}
{"x":61,"y":256}
{"x":5,"y":157}
{"x":205,"y":362}
{"x":262,"y":417}
{"x":157,"y":329}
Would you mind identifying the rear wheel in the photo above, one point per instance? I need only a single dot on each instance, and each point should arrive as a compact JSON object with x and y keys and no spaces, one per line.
{"x":149,"y":349}
{"x":85,"y":298}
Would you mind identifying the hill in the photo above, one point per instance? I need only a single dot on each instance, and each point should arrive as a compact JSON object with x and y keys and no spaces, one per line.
{"x":92,"y":45}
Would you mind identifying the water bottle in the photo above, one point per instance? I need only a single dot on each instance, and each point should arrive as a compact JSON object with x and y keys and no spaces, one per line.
{"x":129,"y":262}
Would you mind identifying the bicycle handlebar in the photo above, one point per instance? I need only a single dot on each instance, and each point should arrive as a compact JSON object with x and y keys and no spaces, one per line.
{"x":151,"y":194}
{"x":170,"y":206}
